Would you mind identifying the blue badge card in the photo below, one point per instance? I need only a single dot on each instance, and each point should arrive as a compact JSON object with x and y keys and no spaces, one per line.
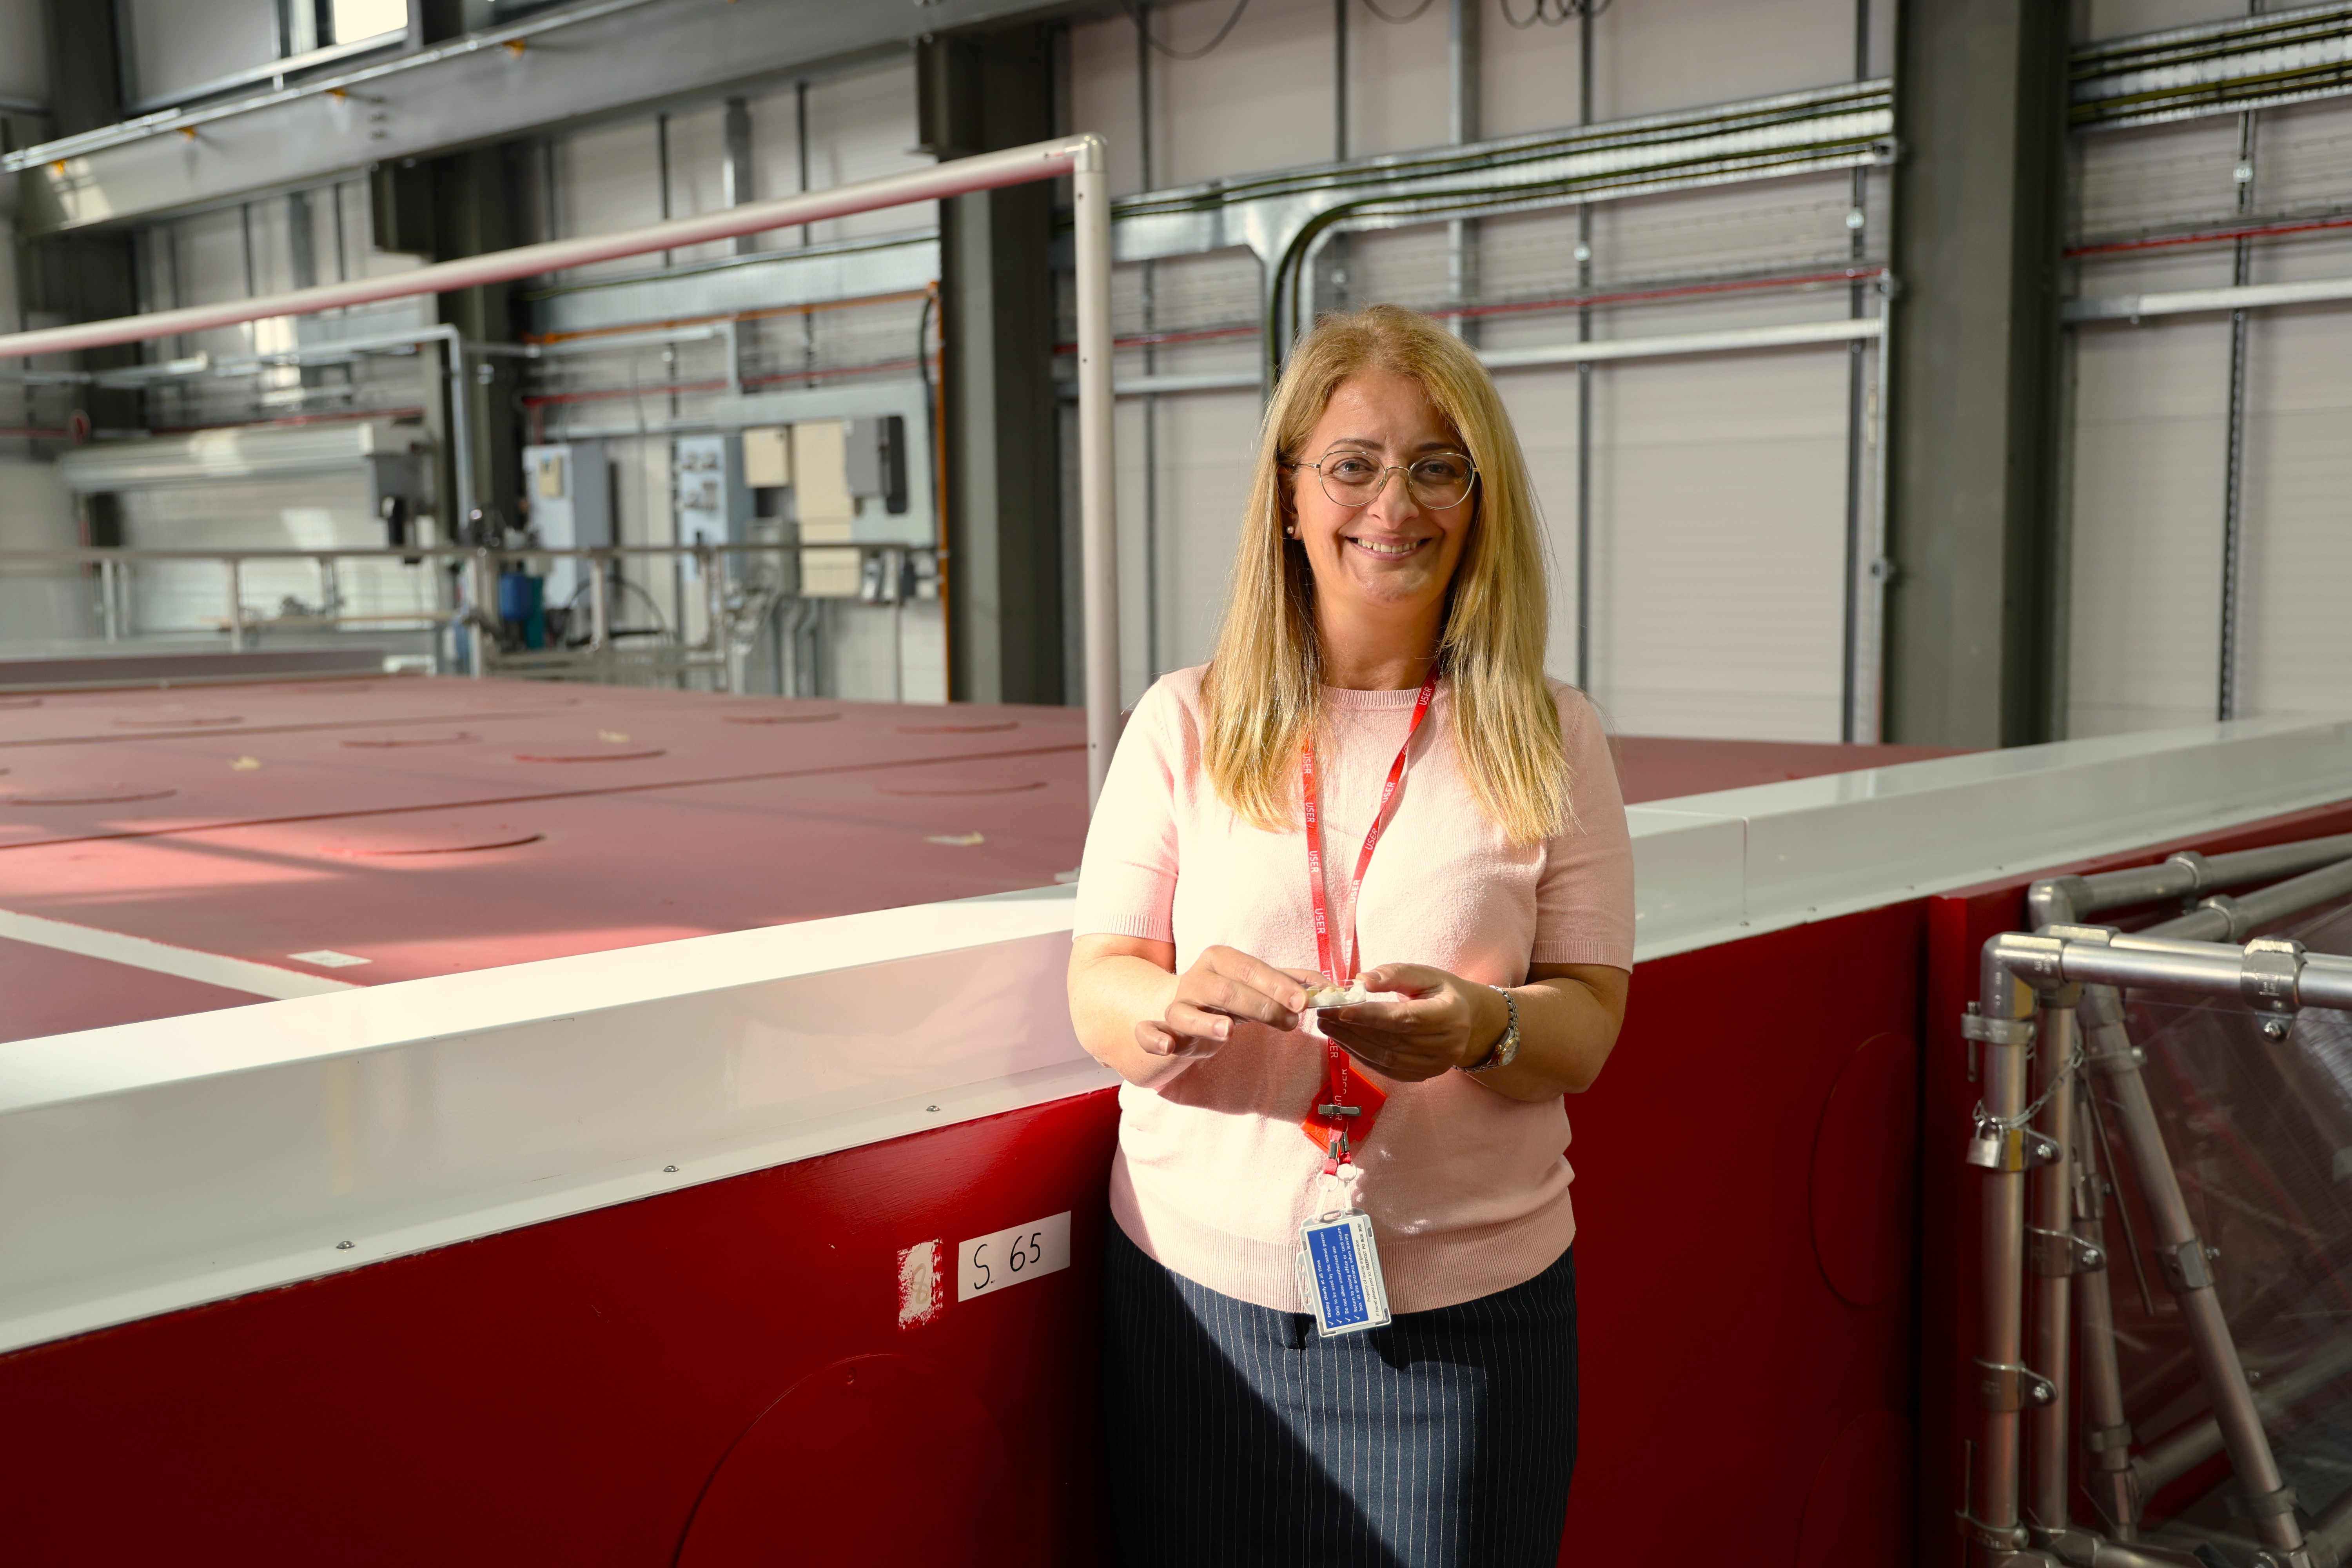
{"x":1339,"y":1274}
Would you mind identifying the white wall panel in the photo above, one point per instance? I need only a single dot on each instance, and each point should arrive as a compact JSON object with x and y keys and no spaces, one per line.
{"x":2156,"y":177}
{"x":2122,"y":18}
{"x":697,"y":173}
{"x":2303,"y":158}
{"x":776,"y":157}
{"x":37,"y":513}
{"x":1679,"y":54}
{"x":861,"y":128}
{"x":1398,"y":80}
{"x":179,"y":43}
{"x":1263,"y":100}
{"x":23,"y":53}
{"x":2150,"y":407}
{"x":2295,"y":628}
{"x":1719,"y":540}
{"x":308,"y":512}
{"x":609,"y":178}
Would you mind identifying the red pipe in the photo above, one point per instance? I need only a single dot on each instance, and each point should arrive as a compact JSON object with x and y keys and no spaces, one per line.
{"x":2208,"y":237}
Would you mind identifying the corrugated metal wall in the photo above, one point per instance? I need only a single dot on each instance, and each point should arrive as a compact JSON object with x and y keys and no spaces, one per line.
{"x":1719,"y":481}
{"x":2149,"y":435}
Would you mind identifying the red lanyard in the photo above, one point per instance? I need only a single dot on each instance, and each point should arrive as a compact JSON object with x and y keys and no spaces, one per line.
{"x":1342,"y":1118}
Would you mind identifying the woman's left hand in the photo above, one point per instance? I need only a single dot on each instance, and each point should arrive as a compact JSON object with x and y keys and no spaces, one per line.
{"x":1445,"y":1021}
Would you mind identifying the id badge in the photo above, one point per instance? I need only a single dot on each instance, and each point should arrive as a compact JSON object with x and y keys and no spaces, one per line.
{"x":1339,"y":1274}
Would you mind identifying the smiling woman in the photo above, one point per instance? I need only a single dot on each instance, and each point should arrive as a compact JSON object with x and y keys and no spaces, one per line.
{"x":1341,"y":1305}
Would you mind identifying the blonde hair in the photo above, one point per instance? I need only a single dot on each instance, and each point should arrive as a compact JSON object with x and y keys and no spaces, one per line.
{"x":1261,"y":697}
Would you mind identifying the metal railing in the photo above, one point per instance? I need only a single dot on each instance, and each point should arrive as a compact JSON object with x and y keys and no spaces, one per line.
{"x":736,"y":603}
{"x":2050,"y":1009}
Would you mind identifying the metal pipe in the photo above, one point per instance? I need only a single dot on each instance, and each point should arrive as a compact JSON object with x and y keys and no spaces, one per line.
{"x":2194,"y":302}
{"x":1097,"y":503}
{"x":1461,"y":127}
{"x":2184,"y":1450}
{"x":477,"y":628}
{"x":2281,"y":900}
{"x":597,"y":610}
{"x":2107,"y":1432}
{"x":1850,"y":599}
{"x":2084,"y":1549}
{"x":2050,"y":1198}
{"x":2187,"y":1270}
{"x":106,"y":599}
{"x":714,"y":601}
{"x":1882,"y":568}
{"x":236,"y":607}
{"x":2180,"y":875}
{"x":985,"y":171}
{"x":1583,"y":364}
{"x":1993,"y":1522}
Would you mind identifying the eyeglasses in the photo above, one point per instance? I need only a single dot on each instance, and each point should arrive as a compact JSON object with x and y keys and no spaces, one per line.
{"x":1438,"y":481}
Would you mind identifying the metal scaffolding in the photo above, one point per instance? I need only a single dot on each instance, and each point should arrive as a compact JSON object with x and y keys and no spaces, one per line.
{"x":2052,"y":1023}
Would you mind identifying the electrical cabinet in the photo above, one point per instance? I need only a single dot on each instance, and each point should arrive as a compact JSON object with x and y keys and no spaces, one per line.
{"x":714,"y":504}
{"x":569,"y":489}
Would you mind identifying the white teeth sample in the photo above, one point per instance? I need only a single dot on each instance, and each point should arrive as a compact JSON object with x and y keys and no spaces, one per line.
{"x":1346,"y":996}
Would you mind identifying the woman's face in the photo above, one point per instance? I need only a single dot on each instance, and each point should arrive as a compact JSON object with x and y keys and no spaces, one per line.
{"x":1392,"y":556}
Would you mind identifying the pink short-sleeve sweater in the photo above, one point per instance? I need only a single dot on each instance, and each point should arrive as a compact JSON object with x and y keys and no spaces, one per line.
{"x":1467,"y":1189}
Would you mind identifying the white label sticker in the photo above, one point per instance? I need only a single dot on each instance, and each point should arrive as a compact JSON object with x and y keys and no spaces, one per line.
{"x":987,"y":1264}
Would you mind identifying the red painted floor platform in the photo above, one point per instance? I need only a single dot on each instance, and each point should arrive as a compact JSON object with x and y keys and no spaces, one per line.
{"x":427,"y":826}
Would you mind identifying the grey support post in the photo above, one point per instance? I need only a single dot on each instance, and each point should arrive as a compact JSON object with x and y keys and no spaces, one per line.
{"x":1980,"y":118}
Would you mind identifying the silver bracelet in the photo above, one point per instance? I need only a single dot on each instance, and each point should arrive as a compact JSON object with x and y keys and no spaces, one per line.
{"x":1506,"y":1049}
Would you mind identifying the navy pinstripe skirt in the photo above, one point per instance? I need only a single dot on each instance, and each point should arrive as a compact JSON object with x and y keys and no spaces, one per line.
{"x":1239,"y":1437}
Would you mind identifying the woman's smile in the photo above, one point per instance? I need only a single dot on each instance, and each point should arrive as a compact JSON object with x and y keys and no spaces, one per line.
{"x":1384,"y":549}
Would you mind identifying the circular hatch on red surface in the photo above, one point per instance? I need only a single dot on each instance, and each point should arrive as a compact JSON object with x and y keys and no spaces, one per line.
{"x":1015,"y":788}
{"x":874,"y":1459}
{"x":190,"y":721}
{"x":86,"y":795}
{"x":1865,"y":1183}
{"x":459,"y":738}
{"x":427,"y":838}
{"x":779,"y":718}
{"x":959,"y":728}
{"x":589,"y":756}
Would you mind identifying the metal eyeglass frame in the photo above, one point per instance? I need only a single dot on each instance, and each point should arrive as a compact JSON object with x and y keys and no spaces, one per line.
{"x":1468,"y":488}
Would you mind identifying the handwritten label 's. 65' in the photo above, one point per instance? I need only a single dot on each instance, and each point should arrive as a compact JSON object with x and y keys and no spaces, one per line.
{"x":988,"y":1263}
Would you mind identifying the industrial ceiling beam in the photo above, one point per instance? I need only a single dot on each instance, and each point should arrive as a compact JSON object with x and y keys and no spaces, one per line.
{"x":550,"y":72}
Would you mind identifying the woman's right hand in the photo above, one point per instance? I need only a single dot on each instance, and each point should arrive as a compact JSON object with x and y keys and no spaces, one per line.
{"x":1223,"y":984}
